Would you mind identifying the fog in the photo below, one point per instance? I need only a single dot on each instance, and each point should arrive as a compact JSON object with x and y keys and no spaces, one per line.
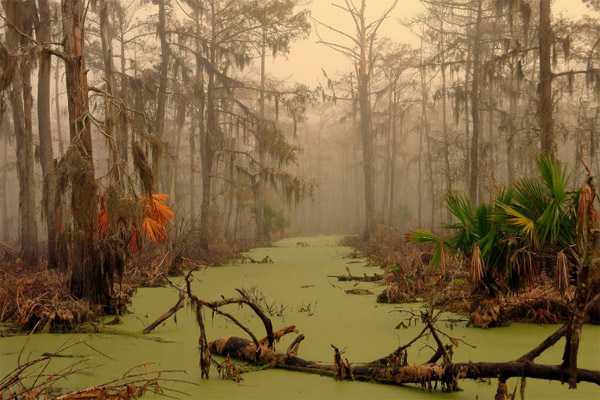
{"x":185,"y":85}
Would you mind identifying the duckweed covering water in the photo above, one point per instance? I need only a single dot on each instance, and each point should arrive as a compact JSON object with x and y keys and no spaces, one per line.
{"x":296,"y":280}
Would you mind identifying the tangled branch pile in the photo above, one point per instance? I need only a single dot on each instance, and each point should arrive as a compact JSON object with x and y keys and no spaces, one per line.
{"x":33,"y":297}
{"x":408,"y":273}
{"x":30,"y":380}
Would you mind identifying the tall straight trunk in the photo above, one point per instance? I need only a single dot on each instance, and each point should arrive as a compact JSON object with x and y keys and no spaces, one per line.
{"x":432,"y":197}
{"x":4,"y":180}
{"x":109,"y":108}
{"x":207,"y":152}
{"x":260,"y":186}
{"x":61,"y":145}
{"x":512,"y":110}
{"x":200,"y":112}
{"x":388,"y":153}
{"x":548,"y":140}
{"x":231,"y":193}
{"x":355,"y":152}
{"x":474,"y":173}
{"x":162,"y":82}
{"x":45,"y":133}
{"x":123,"y":138}
{"x":427,"y":128}
{"x":391,"y":212}
{"x":21,"y":102}
{"x":420,"y":167}
{"x":365,"y":127}
{"x":88,"y":281}
{"x":192,"y":182}
{"x":448,"y":172}
{"x":491,"y":146}
{"x":180,"y":121}
{"x":424,"y":134}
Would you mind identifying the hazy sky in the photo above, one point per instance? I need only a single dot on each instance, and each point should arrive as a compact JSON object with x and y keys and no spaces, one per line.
{"x":307,"y":58}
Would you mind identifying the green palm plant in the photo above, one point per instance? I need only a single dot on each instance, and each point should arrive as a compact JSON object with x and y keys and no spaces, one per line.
{"x":528,"y":221}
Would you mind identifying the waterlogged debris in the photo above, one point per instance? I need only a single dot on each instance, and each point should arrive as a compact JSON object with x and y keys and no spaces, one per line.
{"x":307,"y":286}
{"x":115,"y":321}
{"x":244,"y":259}
{"x":309,"y":308}
{"x":302,"y":244}
{"x":359,"y":291}
{"x":358,"y":278}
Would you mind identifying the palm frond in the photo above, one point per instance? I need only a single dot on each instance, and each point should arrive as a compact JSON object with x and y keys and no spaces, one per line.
{"x":525,"y":224}
{"x":460,"y":206}
{"x":439,"y":254}
{"x":554,"y":175}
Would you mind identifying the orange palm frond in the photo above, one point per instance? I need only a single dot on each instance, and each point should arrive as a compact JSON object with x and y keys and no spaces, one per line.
{"x":156,"y":218}
{"x":157,"y":210}
{"x":135,"y":242}
{"x":154,"y":230}
{"x":103,"y":223}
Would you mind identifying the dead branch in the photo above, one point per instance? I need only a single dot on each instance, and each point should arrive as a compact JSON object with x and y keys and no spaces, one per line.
{"x":293,"y":348}
{"x":178,"y":306}
{"x":423,"y":374}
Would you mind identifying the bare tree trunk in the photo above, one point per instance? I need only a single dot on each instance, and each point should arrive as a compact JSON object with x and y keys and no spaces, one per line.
{"x":388,"y":153}
{"x":393,"y":161}
{"x":21,"y":102}
{"x":162,"y":83}
{"x":180,"y":122}
{"x":88,"y":281}
{"x":123,"y":139}
{"x":192,"y":183}
{"x":448,"y":171}
{"x":207,"y":149}
{"x":491,"y":146}
{"x":4,"y":136}
{"x":432,"y":197}
{"x":109,"y":108}
{"x":365,"y":127}
{"x":545,"y":107}
{"x":474,"y":177}
{"x":61,"y":142}
{"x":424,"y":134}
{"x":45,"y":133}
{"x":199,"y":92}
{"x":260,"y":186}
{"x":231,"y":193}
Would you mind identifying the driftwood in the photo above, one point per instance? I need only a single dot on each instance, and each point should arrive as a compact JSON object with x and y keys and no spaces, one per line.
{"x":424,"y":374}
{"x":359,"y":291}
{"x":364,"y":278}
{"x":249,"y":260}
{"x":357,"y":278}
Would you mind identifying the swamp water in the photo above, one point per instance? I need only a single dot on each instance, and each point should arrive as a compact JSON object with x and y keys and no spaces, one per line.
{"x":296,"y":280}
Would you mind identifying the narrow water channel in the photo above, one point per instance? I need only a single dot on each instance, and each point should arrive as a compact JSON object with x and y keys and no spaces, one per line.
{"x":296,"y":281}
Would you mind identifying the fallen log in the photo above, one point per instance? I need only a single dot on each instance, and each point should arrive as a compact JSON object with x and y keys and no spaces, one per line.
{"x":356,"y":278}
{"x":423,"y":374}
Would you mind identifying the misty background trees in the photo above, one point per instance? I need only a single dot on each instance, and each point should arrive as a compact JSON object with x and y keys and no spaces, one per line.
{"x":181,"y":99}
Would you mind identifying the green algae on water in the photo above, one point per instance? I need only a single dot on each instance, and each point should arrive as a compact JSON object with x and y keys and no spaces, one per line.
{"x":297,"y":278}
